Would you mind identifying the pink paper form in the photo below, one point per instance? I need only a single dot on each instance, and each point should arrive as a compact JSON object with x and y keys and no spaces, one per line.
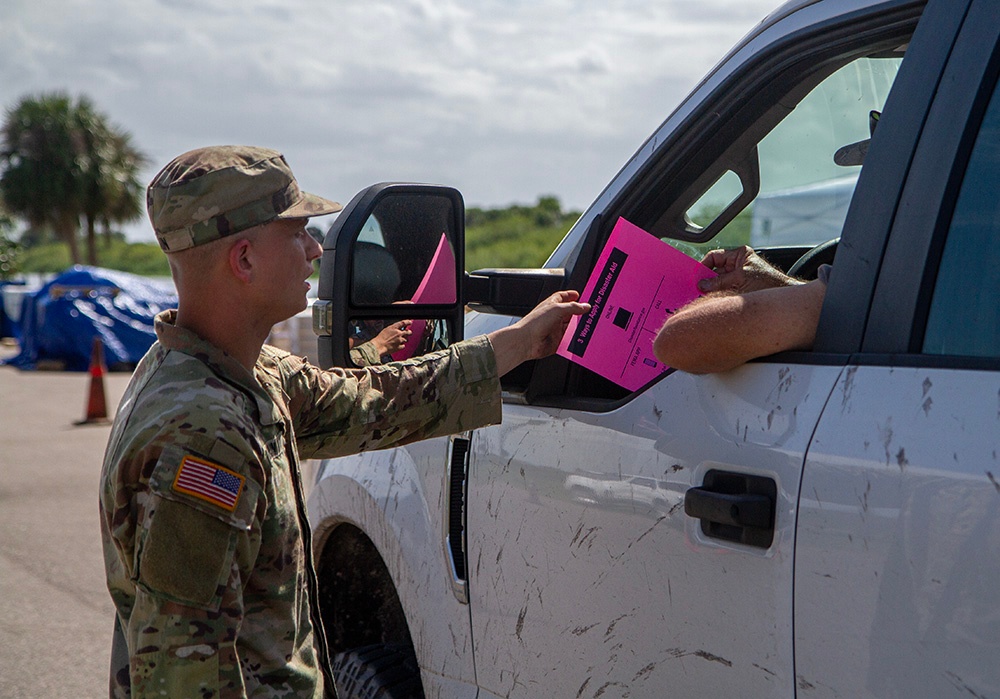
{"x":637,"y":282}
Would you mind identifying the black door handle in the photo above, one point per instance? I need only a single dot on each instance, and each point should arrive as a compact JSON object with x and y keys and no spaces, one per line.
{"x":734,"y":510}
{"x":735,"y":507}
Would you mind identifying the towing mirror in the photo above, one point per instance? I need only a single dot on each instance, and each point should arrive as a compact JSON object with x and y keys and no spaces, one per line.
{"x":394,"y":254}
{"x":511,"y":292}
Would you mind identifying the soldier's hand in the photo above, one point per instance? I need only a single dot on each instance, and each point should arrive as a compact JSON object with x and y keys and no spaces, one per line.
{"x":537,"y":334}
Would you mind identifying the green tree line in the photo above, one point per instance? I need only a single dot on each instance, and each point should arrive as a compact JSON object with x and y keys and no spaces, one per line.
{"x":70,"y":177}
{"x":515,"y":236}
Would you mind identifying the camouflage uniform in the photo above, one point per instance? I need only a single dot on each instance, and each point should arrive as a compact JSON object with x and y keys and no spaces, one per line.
{"x":365,"y":354}
{"x":206,"y":544}
{"x":213,"y":591}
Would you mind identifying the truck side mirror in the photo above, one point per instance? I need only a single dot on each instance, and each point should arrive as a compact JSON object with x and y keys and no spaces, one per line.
{"x":395,"y":253}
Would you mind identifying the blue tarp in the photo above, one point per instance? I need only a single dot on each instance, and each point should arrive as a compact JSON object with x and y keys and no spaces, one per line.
{"x":60,"y":321}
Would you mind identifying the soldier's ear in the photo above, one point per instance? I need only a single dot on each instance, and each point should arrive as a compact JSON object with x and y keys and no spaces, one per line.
{"x":241,"y":260}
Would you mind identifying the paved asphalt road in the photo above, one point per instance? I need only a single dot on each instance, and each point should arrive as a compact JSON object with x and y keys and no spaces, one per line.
{"x":55,"y":613}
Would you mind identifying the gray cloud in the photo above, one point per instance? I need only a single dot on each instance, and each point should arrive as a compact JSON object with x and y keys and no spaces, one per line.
{"x":504,"y":99}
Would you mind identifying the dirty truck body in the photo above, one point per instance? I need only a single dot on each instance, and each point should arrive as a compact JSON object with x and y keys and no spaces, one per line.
{"x":563,"y":552}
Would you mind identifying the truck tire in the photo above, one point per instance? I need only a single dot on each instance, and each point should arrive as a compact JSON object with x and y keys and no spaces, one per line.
{"x":379,"y":671}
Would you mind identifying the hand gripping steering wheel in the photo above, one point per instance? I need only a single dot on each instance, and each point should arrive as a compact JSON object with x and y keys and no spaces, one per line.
{"x":807,"y":266}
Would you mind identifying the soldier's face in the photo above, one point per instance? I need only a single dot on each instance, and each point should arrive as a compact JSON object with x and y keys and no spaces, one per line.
{"x":285,"y":252}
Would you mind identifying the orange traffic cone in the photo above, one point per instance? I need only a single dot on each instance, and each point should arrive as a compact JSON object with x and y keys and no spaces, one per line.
{"x":97,"y":407}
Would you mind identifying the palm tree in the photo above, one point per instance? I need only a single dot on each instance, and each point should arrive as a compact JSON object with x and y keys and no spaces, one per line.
{"x":9,"y":249}
{"x":127,"y":194}
{"x":93,"y":162}
{"x":109,"y":166}
{"x":62,"y":161}
{"x":40,"y":179}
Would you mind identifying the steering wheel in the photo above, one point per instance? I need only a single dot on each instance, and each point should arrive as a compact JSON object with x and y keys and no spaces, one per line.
{"x":807,"y":266}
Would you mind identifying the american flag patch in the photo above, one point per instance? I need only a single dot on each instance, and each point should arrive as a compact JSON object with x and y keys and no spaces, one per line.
{"x":211,"y":483}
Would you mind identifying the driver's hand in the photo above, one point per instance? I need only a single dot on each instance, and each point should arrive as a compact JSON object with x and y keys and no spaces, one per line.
{"x":741,"y":270}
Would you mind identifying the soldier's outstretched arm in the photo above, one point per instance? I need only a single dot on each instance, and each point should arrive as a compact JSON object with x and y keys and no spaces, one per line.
{"x":537,"y":334}
{"x":345,"y":411}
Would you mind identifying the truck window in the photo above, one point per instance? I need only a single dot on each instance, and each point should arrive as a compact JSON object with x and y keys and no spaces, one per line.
{"x":804,"y":194}
{"x":964,"y":317}
{"x":753,"y":165}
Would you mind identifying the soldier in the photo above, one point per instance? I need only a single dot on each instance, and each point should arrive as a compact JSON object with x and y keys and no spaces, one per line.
{"x":206,"y":543}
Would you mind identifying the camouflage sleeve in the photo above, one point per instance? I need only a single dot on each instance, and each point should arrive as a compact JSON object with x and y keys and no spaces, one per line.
{"x":345,"y":411}
{"x":365,"y":354}
{"x":194,"y":550}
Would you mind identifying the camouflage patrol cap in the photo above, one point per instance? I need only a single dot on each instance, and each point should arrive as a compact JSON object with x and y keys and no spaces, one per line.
{"x":213,"y":192}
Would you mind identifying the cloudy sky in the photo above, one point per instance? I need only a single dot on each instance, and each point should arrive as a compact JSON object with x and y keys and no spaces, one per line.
{"x":504,"y":99}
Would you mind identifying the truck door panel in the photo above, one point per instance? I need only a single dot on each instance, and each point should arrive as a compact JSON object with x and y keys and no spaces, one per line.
{"x":584,"y":571}
{"x":898,"y":544}
{"x":898,"y":548}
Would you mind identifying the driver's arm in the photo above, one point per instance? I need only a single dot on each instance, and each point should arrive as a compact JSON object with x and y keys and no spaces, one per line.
{"x":751,"y":310}
{"x":721,"y":331}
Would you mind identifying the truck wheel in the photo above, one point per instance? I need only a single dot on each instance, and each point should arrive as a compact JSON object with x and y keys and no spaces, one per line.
{"x":378,"y":672}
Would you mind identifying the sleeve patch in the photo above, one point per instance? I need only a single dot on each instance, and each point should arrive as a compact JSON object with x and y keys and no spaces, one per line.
{"x":209,"y":482}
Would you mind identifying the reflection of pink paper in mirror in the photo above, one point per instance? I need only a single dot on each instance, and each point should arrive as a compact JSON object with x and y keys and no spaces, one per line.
{"x":437,"y":286}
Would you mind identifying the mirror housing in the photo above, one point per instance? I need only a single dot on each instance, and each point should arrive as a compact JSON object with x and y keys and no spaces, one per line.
{"x":406,"y":221}
{"x":511,"y":292}
{"x":410,"y":222}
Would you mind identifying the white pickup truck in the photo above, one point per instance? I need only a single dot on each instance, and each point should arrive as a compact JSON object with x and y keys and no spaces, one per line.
{"x":813,"y":524}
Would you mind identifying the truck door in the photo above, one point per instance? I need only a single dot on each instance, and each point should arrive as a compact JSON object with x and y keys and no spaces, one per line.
{"x":585,"y":573}
{"x":898,"y":537}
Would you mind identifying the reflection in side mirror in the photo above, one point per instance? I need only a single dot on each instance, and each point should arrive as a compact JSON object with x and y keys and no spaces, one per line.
{"x":393,"y":244}
{"x":374,"y":341}
{"x":406,"y":253}
{"x":375,"y":275}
